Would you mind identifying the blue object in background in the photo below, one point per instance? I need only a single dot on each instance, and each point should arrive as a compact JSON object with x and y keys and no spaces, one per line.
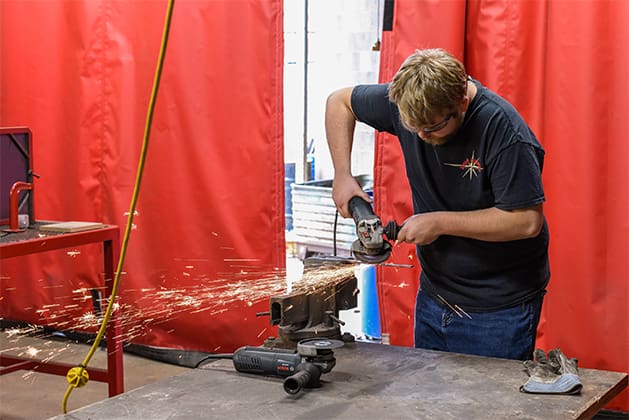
{"x":310,"y":161}
{"x":289,"y":178}
{"x":368,"y":302}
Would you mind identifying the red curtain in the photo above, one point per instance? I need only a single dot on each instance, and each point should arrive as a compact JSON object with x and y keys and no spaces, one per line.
{"x":565,"y":66}
{"x":209,"y":214}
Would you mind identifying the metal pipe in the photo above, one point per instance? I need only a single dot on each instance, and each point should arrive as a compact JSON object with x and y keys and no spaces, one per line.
{"x":305,"y":132}
{"x":14,"y":204}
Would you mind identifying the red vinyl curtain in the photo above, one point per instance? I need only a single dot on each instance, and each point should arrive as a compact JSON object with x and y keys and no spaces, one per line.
{"x":211,"y":203}
{"x":565,"y":66}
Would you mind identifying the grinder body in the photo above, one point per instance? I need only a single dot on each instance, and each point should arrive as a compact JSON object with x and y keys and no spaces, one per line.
{"x":266,"y":361}
{"x":301,"y":369}
{"x":370,"y":247}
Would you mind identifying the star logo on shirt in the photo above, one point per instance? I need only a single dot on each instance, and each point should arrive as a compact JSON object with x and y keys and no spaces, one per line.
{"x":470,"y":166}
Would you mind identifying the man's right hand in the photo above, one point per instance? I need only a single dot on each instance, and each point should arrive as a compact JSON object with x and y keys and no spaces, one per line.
{"x":343,"y":189}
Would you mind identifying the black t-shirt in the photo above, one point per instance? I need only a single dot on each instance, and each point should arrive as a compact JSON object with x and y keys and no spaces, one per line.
{"x":494,"y":160}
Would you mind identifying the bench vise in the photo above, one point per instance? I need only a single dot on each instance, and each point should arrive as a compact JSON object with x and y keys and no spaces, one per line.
{"x":311,"y":309}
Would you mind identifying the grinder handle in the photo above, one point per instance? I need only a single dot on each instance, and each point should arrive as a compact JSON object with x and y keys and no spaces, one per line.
{"x":392,"y":229}
{"x":360,"y":209}
{"x":307,"y":376}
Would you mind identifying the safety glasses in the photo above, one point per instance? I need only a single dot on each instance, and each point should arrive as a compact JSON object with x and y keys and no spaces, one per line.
{"x":440,"y":125}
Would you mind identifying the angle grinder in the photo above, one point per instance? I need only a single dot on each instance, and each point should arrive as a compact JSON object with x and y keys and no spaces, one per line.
{"x":301,"y":368}
{"x":371,"y":247}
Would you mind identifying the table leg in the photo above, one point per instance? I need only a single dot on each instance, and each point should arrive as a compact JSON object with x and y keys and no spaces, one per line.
{"x":115,"y":369}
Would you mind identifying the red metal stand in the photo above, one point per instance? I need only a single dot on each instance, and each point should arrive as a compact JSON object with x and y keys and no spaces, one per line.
{"x":25,"y":243}
{"x":13,"y":205}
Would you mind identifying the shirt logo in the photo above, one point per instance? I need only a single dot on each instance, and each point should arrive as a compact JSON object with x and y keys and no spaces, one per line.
{"x":470,"y":166}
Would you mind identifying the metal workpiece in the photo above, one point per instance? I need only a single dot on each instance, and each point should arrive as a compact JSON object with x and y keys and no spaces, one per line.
{"x":369,"y":381}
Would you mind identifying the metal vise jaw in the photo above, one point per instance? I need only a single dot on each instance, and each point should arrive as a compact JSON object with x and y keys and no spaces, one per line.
{"x":312,"y":309}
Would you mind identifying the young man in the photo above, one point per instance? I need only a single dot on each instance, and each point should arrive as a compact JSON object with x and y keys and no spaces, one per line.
{"x":474,"y":168}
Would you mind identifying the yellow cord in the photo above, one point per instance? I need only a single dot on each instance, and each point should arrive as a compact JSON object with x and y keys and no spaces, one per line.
{"x":77,"y":376}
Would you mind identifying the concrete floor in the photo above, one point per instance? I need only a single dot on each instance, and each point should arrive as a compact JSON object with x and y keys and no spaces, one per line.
{"x":33,"y":396}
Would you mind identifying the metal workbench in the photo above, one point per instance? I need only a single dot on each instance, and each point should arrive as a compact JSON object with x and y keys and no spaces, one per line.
{"x":370,"y":381}
{"x":33,"y":241}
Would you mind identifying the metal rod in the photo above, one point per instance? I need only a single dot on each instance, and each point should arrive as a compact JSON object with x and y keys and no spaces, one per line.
{"x":464,"y":313}
{"x":305,"y":92}
{"x":449,"y":306}
{"x":396,"y":265}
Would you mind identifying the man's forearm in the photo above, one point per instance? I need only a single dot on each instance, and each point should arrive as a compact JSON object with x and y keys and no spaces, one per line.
{"x":492,"y":224}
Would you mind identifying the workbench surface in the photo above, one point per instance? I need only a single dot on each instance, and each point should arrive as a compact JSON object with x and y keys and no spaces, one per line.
{"x":370,"y":381}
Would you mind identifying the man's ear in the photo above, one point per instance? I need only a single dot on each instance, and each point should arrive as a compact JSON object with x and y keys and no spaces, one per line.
{"x":465,"y":103}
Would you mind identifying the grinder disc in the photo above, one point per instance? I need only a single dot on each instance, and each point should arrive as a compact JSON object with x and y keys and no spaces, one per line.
{"x":311,"y":346}
{"x":369,"y":257}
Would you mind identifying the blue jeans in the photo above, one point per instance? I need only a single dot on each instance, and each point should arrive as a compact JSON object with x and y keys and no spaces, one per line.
{"x":506,"y":333}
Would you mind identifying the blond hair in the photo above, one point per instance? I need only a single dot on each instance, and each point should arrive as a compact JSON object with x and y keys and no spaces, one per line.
{"x":429,"y":84}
